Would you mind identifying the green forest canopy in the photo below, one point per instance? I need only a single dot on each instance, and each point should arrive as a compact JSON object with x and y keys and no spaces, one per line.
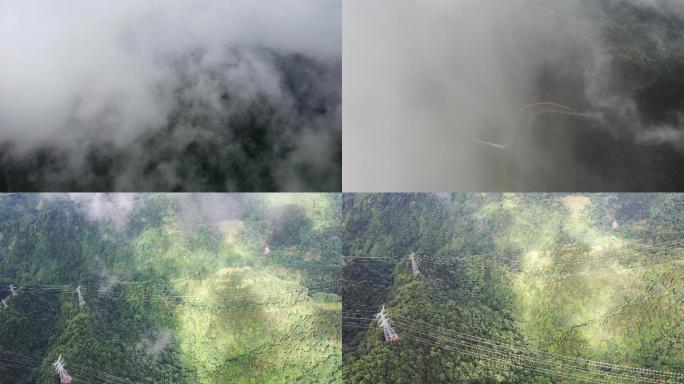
{"x":177,"y":288}
{"x":521,"y":288}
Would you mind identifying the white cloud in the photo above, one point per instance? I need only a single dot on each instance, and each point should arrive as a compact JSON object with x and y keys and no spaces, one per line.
{"x":108,"y":208}
{"x":425,"y":80}
{"x":81,"y":72}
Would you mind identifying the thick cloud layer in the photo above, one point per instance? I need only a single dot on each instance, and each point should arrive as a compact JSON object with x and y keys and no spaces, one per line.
{"x":138,"y":95}
{"x":513,"y":95}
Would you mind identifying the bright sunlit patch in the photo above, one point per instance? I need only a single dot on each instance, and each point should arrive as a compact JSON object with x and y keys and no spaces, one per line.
{"x":223,"y":328}
{"x":583,"y":293}
{"x":536,"y":261}
{"x":576,"y":204}
{"x":231,"y":229}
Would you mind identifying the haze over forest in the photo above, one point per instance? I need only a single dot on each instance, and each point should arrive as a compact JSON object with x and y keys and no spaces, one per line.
{"x":518,"y":95}
{"x":170,"y":95}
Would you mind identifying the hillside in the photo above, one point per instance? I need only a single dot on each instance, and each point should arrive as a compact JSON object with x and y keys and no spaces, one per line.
{"x":175,"y":288}
{"x":218,"y":141}
{"x":538,"y":288}
{"x":182,"y":96}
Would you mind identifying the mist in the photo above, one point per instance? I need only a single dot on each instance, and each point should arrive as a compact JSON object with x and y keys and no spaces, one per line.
{"x":170,"y":95}
{"x":209,"y":210}
{"x":519,"y":95}
{"x":115,"y":209}
{"x":114,"y":212}
{"x":156,"y":343}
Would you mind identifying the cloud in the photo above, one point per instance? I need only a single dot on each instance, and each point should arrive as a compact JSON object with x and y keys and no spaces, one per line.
{"x":90,"y":82}
{"x":664,"y":134}
{"x":156,"y":343}
{"x":669,"y":7}
{"x":210,"y":210}
{"x":104,"y":208}
{"x":418,"y":99}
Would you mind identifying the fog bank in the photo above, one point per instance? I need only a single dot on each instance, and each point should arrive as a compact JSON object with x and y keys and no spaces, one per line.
{"x":493,"y":95}
{"x":101,"y":95}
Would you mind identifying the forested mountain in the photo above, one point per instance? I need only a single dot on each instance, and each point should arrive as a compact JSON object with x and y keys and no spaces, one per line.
{"x":519,"y":288}
{"x":180,"y":96}
{"x":170,"y":288}
{"x":215,"y":138}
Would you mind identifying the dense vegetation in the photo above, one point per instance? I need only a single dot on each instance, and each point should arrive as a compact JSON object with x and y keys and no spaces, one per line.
{"x":533,"y":288}
{"x":181,"y":290}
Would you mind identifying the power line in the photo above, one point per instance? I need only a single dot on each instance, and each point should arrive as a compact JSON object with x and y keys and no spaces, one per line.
{"x":541,"y":354}
{"x":354,"y":318}
{"x":284,"y":297}
{"x":83,"y":373}
{"x":483,"y":259}
{"x":503,"y":350}
{"x":495,"y":350}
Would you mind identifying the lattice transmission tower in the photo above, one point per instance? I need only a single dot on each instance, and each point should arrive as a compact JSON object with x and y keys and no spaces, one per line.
{"x":390,"y":333}
{"x":64,"y":377}
{"x":81,"y":300}
{"x":414,"y":265}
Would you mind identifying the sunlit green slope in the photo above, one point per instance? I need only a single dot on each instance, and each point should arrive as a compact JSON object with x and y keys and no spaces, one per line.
{"x":515,"y":288}
{"x":181,"y":291}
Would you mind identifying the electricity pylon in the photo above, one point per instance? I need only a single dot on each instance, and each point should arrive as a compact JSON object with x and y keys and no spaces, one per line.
{"x":390,"y":333}
{"x":81,"y":300}
{"x":414,"y":265}
{"x":64,"y":376}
